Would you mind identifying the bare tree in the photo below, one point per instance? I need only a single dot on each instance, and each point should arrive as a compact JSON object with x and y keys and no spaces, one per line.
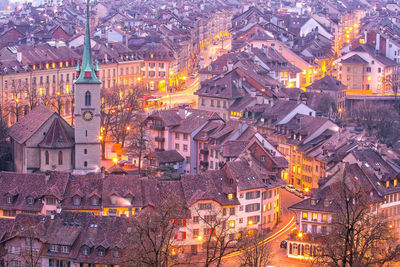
{"x":152,"y":232}
{"x":140,"y":144}
{"x":119,"y":110}
{"x":256,"y":252}
{"x":358,"y":236}
{"x":219,"y":239}
{"x":381,"y":120}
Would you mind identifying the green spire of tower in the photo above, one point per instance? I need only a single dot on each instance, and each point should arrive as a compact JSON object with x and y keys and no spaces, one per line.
{"x":87,"y":72}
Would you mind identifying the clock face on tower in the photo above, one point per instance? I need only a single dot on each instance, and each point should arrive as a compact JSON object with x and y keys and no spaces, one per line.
{"x":87,"y":115}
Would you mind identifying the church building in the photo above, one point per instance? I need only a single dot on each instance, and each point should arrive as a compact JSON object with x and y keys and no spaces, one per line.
{"x":43,"y":141}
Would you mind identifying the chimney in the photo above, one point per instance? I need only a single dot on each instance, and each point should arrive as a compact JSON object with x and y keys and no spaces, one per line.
{"x":240,"y":83}
{"x":47,"y":177}
{"x":103,"y":172}
{"x":19,"y":57}
{"x":378,"y":40}
{"x":229,"y":65}
{"x":182,"y":112}
{"x":365,"y":36}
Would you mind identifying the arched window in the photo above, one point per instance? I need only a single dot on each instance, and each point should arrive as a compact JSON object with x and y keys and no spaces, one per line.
{"x":87,"y":99}
{"x":47,"y":157}
{"x":85,"y":164}
{"x":60,"y":158}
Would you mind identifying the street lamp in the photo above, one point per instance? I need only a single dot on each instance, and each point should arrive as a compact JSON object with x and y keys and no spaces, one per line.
{"x":300,"y":234}
{"x":128,"y":128}
{"x":115,"y":160}
{"x":199,"y":238}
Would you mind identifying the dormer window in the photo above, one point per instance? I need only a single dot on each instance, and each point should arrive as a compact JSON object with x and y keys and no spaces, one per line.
{"x":85,"y":250}
{"x":387,"y":184}
{"x":115,"y":253}
{"x":77,"y":201}
{"x":95,"y":201}
{"x":29,"y":200}
{"x":10,"y":199}
{"x":101,"y":252}
{"x":313,"y":202}
{"x":113,"y":200}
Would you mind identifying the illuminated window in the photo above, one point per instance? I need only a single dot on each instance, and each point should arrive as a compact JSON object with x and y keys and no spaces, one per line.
{"x":314,"y":216}
{"x":387,"y":183}
{"x":53,"y":65}
{"x":47,"y":65}
{"x":294,"y":168}
{"x":368,"y":78}
{"x":230,"y":196}
{"x":324,"y":217}
{"x":231,"y":224}
{"x":264,"y":207}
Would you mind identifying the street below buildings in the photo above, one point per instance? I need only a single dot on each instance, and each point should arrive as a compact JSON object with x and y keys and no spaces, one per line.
{"x":192,"y":83}
{"x":280,"y":233}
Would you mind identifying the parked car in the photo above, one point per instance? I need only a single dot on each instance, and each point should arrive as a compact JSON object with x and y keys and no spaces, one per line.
{"x":283,"y":244}
{"x":290,"y":188}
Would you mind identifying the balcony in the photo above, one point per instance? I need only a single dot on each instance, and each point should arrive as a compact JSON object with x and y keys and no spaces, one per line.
{"x":159,"y":138}
{"x":157,"y":127}
{"x":204,"y":163}
{"x":204,"y":152}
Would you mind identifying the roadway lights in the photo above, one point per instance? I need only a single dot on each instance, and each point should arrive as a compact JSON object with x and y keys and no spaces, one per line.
{"x":199,"y":237}
{"x":115,"y":160}
{"x":300,"y":234}
{"x":306,"y":189}
{"x":128,"y":128}
{"x":101,"y":138}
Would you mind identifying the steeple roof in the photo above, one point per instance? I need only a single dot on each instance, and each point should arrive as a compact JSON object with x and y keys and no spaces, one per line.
{"x":87,"y":60}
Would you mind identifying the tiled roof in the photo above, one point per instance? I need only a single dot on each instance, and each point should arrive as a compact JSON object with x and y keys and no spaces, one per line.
{"x":57,"y":136}
{"x":30,"y":123}
{"x":168,"y":156}
{"x":327,"y":83}
{"x":354,"y":59}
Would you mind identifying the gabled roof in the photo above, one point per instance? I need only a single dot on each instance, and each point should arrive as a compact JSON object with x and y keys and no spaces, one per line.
{"x":327,"y":83}
{"x":57,"y":136}
{"x":354,"y":59}
{"x":168,"y":156}
{"x":30,"y":123}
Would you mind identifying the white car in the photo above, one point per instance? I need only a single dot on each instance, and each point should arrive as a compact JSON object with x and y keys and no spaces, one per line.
{"x":290,"y":188}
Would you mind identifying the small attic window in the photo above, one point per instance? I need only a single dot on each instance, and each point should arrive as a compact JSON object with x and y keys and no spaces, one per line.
{"x":29,"y":200}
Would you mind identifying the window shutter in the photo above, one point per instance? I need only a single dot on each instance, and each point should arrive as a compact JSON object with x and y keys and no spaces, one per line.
{"x":176,"y":236}
{"x":247,"y":195}
{"x":247,"y":208}
{"x":258,"y":206}
{"x":258,"y":193}
{"x":184,"y":223}
{"x":258,"y":218}
{"x":183,"y":235}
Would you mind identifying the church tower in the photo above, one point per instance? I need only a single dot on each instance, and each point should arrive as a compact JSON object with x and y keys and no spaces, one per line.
{"x":87,"y":110}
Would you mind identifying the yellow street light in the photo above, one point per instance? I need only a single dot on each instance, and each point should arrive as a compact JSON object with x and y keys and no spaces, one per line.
{"x":101,"y":138}
{"x":17,"y":100}
{"x":58,"y":93}
{"x":250,"y":222}
{"x":306,"y":189}
{"x":128,"y":128}
{"x":171,"y":72}
{"x":139,"y":79}
{"x":390,"y":226}
{"x":115,"y":160}
{"x":300,"y":234}
{"x":199,"y":237}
